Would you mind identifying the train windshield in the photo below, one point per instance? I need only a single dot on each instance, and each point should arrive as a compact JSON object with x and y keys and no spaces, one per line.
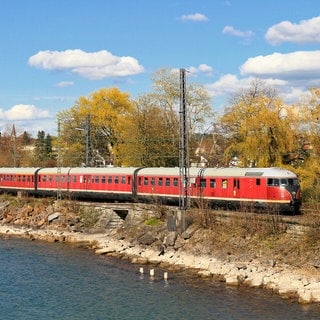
{"x":289,"y":182}
{"x":283,"y":182}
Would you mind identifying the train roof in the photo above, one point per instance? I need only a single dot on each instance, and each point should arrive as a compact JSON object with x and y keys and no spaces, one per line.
{"x":105,"y":170}
{"x":162,"y":171}
{"x":89,"y":170}
{"x":245,"y":172}
{"x":13,"y":170}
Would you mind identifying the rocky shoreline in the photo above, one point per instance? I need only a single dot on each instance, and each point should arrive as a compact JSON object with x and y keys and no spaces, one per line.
{"x":284,"y":280}
{"x":157,"y":246}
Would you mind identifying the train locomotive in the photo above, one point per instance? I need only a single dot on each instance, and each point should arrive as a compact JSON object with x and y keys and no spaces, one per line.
{"x":233,"y":188}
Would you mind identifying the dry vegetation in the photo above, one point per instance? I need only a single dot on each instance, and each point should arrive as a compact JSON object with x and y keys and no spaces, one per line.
{"x":266,"y":237}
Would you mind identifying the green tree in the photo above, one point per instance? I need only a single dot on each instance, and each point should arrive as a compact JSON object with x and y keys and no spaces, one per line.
{"x":156,"y":121}
{"x":42,"y":153}
{"x":148,"y":138}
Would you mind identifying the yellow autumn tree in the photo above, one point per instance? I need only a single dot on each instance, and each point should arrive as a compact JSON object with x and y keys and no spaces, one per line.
{"x":258,"y":127}
{"x":93,"y":127}
{"x":308,"y":110}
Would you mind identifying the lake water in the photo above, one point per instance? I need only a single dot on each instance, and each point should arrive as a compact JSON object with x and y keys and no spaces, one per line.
{"x":58,"y":281}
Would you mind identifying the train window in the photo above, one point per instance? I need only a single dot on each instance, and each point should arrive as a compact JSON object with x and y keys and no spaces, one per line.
{"x":96,"y":180}
{"x":44,"y":178}
{"x":213,"y":183}
{"x":203,"y":183}
{"x":153,"y":181}
{"x":175,"y":182}
{"x":103,"y":179}
{"x":123,"y":179}
{"x":74,"y":179}
{"x":160,"y":181}
{"x":116,"y":179}
{"x":273,"y":182}
{"x":258,"y":182}
{"x":284,"y":182}
{"x":167,"y":182}
{"x":293,"y":182}
{"x":109,"y":179}
{"x":145,"y":181}
{"x":224,"y":183}
{"x":129,"y":180}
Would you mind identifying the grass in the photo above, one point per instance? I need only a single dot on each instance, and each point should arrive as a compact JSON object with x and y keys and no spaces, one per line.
{"x":153,"y":222}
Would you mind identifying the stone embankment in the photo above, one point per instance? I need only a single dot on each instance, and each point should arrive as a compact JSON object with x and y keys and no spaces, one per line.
{"x":283,"y":280}
{"x":165,"y":249}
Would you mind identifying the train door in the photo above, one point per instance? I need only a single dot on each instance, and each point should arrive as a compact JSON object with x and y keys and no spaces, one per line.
{"x":254,"y":188}
{"x":236,"y":188}
{"x":84,"y":181}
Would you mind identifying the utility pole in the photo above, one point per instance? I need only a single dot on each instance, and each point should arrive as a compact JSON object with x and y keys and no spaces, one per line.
{"x":59,"y":182}
{"x":88,"y":141}
{"x":14,"y":134}
{"x":184,"y":200}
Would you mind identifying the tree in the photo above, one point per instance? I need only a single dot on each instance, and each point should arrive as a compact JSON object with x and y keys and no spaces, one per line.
{"x":308,"y":127}
{"x":11,"y":148}
{"x":42,"y":153}
{"x":166,"y":85}
{"x":166,"y":96}
{"x":151,"y":137}
{"x":148,"y":138}
{"x":258,"y":127}
{"x":108,"y":110}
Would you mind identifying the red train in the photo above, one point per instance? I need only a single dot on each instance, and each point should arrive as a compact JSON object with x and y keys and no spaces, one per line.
{"x":259,"y":188}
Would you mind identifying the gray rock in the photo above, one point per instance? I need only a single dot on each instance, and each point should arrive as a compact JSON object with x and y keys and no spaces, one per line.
{"x":170,"y":239}
{"x":53,"y":216}
{"x":147,"y":239}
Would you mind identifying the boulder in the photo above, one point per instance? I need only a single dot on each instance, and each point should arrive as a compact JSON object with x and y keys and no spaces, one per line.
{"x":170,"y":239}
{"x":53,"y":216}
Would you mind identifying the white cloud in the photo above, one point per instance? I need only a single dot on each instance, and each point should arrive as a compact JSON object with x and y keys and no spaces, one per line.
{"x":201,"y":69}
{"x":299,"y":65}
{"x":227,"y":84}
{"x":234,"y":32}
{"x":63,"y":84}
{"x":23,"y":112}
{"x":306,"y":31}
{"x":194,"y":17}
{"x":92,"y":65}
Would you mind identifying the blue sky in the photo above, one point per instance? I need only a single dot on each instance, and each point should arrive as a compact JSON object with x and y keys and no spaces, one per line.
{"x":54,"y":51}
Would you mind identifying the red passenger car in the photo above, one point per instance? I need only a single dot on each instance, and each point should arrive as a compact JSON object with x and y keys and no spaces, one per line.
{"x":162,"y":183}
{"x":260,"y":188}
{"x":95,"y":183}
{"x":17,"y":179}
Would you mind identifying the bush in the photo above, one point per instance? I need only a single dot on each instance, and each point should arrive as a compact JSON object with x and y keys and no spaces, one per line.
{"x":88,"y":216}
